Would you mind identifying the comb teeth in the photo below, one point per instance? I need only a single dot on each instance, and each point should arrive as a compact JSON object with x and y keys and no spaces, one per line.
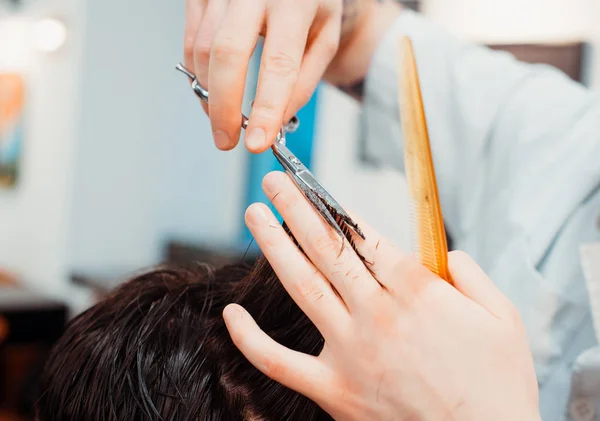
{"x":425,"y":245}
{"x":429,"y":235}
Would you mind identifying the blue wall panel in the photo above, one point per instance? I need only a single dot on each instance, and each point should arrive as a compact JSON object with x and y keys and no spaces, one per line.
{"x":301,"y":143}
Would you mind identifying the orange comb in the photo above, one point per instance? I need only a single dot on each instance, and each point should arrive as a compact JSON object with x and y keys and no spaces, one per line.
{"x":429,"y":234}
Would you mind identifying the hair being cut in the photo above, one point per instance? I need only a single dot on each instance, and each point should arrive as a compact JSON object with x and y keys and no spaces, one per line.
{"x":157,"y":349}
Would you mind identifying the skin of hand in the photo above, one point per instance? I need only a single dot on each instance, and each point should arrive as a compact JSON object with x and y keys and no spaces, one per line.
{"x":403,"y":345}
{"x":301,"y":40}
{"x":353,"y":58}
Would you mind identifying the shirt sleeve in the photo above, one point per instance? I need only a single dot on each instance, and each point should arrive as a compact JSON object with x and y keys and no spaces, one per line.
{"x":584,"y":399}
{"x":511,"y":142}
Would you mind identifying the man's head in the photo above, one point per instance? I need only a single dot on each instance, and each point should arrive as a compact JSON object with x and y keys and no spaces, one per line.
{"x":157,"y":349}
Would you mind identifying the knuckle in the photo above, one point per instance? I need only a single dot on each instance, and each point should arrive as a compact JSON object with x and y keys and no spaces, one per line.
{"x":281,"y":64}
{"x":308,"y":288}
{"x":404,"y":266}
{"x":188,"y":45}
{"x":283,"y":201}
{"x":412,"y":276}
{"x":331,"y":46}
{"x":266,"y":110}
{"x":325,"y":242}
{"x":274,"y":368}
{"x":202,"y":51}
{"x":224,"y":50}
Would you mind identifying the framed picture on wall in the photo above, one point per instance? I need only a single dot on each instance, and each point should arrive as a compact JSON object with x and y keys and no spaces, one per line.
{"x":12,"y":102}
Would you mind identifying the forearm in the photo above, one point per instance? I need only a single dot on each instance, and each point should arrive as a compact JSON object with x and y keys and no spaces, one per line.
{"x":497,"y":128}
{"x":364,"y":25}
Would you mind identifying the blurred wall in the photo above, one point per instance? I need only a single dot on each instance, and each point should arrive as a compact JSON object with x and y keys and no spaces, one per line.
{"x":146,"y":166}
{"x":118,"y":153}
{"x":379,"y":196}
{"x":514,"y":21}
{"x":152,"y":170}
{"x":34,"y":217}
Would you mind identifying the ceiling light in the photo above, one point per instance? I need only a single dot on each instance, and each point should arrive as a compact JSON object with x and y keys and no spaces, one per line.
{"x":49,"y":35}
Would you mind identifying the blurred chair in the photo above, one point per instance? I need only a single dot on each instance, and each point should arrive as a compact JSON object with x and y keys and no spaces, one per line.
{"x":175,"y":252}
{"x":182,"y":253}
{"x":3,"y":329}
{"x":29,"y":326}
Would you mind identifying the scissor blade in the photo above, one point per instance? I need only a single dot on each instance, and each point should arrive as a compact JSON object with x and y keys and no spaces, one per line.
{"x":332,"y":204}
{"x":308,"y":193}
{"x":308,"y":183}
{"x":321,"y":208}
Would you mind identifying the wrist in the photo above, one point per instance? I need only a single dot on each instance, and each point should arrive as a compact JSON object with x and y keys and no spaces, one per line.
{"x":357,"y":47}
{"x":352,"y":17}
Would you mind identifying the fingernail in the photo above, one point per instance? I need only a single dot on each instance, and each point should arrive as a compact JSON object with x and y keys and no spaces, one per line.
{"x":256,"y":138}
{"x":256,"y":215}
{"x":222,"y":140}
{"x":272,"y":183}
{"x":232,"y":312}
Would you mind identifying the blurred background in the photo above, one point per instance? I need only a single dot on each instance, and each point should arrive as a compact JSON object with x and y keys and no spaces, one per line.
{"x":107,"y":164}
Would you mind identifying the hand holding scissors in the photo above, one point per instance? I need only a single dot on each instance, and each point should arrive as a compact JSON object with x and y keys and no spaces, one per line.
{"x":301,"y":39}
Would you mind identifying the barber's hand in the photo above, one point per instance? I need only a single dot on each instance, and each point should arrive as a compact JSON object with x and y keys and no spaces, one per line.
{"x":406,"y":345}
{"x":301,"y":39}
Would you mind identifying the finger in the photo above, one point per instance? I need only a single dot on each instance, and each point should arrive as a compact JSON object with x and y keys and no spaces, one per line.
{"x":285,"y":43}
{"x":231,"y":52}
{"x":303,"y":373}
{"x":397,"y":272}
{"x":305,"y":284}
{"x":334,"y":257}
{"x":315,"y":63}
{"x":471,"y":281}
{"x":193,"y":17}
{"x":213,"y":15}
{"x":380,"y":255}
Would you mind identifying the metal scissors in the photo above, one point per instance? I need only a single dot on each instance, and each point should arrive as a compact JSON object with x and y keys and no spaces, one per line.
{"x":318,"y":196}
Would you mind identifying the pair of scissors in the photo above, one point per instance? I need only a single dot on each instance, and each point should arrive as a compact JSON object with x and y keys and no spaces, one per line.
{"x":333,"y":213}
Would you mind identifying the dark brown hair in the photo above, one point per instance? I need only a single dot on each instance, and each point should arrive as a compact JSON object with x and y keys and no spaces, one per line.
{"x":157,"y":349}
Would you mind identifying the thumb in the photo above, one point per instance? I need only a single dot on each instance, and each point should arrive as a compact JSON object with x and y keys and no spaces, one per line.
{"x":473,"y":282}
{"x":303,"y":373}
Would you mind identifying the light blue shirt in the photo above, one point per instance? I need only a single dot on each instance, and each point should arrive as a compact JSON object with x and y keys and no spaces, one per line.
{"x":517,"y":155}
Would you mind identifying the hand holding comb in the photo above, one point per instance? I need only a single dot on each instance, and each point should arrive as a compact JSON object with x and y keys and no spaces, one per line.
{"x":428,"y":225}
